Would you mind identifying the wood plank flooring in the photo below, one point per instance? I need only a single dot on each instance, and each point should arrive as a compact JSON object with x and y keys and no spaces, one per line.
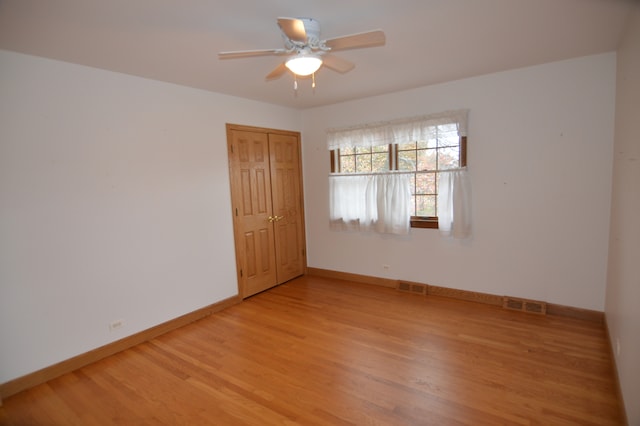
{"x":317,"y":351}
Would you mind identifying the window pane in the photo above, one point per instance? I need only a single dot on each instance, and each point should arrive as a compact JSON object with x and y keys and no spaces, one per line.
{"x":363,"y":163}
{"x":422,"y":145}
{"x":448,"y":158}
{"x":412,"y":184}
{"x":347,"y":164}
{"x":412,"y":210}
{"x":427,"y":159}
{"x":407,"y":160}
{"x":363,"y":149}
{"x":407,"y":146}
{"x":425,"y":205}
{"x":426,"y":183}
{"x":347,"y":151}
{"x":421,"y":183}
{"x":449,"y":140}
{"x":380,"y":148}
{"x":380,"y":162}
{"x":432,"y":183}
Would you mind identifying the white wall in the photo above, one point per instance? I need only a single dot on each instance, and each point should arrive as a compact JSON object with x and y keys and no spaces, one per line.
{"x":114,"y":204}
{"x":623,"y":284}
{"x":540,"y":153}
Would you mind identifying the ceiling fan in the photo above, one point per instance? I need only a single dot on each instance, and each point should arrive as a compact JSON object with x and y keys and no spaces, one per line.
{"x":305,"y":50}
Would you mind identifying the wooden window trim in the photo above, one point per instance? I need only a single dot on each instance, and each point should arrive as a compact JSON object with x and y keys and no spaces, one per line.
{"x":463,"y":151}
{"x":334,"y":155}
{"x":424,"y":222}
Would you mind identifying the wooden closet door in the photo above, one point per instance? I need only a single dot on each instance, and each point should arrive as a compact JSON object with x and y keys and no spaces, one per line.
{"x":286,"y":192}
{"x":267,"y":201}
{"x":251,"y":200}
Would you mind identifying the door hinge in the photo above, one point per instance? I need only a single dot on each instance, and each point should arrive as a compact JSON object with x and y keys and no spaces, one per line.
{"x":231,"y":148}
{"x":236,"y":211}
{"x":240,"y":273}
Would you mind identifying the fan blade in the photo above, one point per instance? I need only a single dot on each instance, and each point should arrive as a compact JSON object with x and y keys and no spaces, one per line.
{"x":249,"y":53}
{"x":277,"y":72}
{"x":354,"y":41}
{"x":294,"y":29}
{"x":337,"y":64}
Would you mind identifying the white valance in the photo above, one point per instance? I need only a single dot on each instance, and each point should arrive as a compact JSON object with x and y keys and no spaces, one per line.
{"x":398,"y":131}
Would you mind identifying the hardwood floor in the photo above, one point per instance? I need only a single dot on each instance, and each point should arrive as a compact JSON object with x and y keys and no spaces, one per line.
{"x":316,"y":351}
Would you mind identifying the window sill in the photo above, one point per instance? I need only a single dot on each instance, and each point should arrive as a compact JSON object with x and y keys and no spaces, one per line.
{"x":424,"y":222}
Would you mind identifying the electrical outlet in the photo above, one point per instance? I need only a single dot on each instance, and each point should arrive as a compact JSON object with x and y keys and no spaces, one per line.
{"x":114,"y":325}
{"x":385,"y":266}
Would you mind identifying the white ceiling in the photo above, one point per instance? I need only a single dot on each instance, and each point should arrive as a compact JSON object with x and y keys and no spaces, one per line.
{"x":428,"y":41}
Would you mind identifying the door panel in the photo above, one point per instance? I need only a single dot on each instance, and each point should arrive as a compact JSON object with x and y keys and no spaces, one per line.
{"x":287,"y":205}
{"x":251,"y":192}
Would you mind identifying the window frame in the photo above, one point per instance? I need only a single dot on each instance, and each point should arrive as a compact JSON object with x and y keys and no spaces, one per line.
{"x":427,"y":222}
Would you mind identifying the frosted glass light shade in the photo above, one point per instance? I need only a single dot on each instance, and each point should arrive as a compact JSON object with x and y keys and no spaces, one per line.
{"x":304,"y":64}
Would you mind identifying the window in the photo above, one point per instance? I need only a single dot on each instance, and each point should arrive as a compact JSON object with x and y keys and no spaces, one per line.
{"x":362,"y":159}
{"x":438,"y":144}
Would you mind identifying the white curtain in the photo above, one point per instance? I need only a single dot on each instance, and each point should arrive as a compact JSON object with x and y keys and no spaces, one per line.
{"x":374,"y":202}
{"x":397,"y":131}
{"x":347,"y":202}
{"x":454,"y":203}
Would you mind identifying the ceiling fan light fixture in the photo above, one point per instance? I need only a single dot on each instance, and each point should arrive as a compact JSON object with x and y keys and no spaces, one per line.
{"x":304,"y":64}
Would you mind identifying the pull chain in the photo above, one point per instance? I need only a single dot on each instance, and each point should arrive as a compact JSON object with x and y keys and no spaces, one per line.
{"x":295,"y":83}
